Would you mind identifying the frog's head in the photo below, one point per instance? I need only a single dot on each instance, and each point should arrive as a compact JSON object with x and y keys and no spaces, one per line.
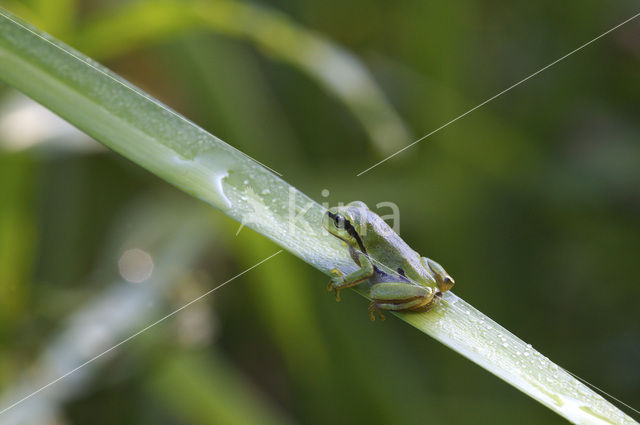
{"x":444,"y":281}
{"x":343,"y":222}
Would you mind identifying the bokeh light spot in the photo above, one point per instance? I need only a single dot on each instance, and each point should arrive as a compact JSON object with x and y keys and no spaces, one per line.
{"x":135,"y":265}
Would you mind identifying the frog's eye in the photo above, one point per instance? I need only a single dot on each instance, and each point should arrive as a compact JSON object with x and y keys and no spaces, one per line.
{"x":339,"y":221}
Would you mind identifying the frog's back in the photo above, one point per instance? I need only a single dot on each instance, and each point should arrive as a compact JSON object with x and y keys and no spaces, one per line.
{"x":393,"y":255}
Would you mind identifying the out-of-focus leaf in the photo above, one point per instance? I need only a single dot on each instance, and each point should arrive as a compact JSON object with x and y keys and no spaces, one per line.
{"x":110,"y":317}
{"x":17,"y":236}
{"x":206,"y":389}
{"x":137,"y":24}
{"x":283,"y":299}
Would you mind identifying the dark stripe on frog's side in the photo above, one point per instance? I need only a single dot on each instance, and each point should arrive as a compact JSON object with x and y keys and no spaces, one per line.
{"x":401,"y":300}
{"x":380,"y":275}
{"x":351,"y":230}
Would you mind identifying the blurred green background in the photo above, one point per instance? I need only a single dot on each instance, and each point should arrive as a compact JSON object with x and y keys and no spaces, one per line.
{"x":532,"y":203}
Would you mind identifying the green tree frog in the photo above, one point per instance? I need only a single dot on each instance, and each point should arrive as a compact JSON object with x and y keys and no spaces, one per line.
{"x":400,"y":279}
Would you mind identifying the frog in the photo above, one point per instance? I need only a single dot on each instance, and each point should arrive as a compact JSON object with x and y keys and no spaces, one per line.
{"x":399,"y":278}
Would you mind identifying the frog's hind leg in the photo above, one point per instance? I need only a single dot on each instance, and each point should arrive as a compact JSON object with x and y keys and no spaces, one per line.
{"x":414,"y":305}
{"x":399,"y":296}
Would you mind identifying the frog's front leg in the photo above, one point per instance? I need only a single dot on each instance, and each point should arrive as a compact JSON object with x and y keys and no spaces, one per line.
{"x":399,"y":296}
{"x":339,"y":281}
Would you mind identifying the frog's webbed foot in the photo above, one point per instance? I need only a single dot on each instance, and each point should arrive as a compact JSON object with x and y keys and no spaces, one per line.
{"x":373,"y":310}
{"x":337,"y":280}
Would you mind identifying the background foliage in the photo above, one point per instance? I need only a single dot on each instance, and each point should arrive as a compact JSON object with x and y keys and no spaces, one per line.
{"x":531,"y":202}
